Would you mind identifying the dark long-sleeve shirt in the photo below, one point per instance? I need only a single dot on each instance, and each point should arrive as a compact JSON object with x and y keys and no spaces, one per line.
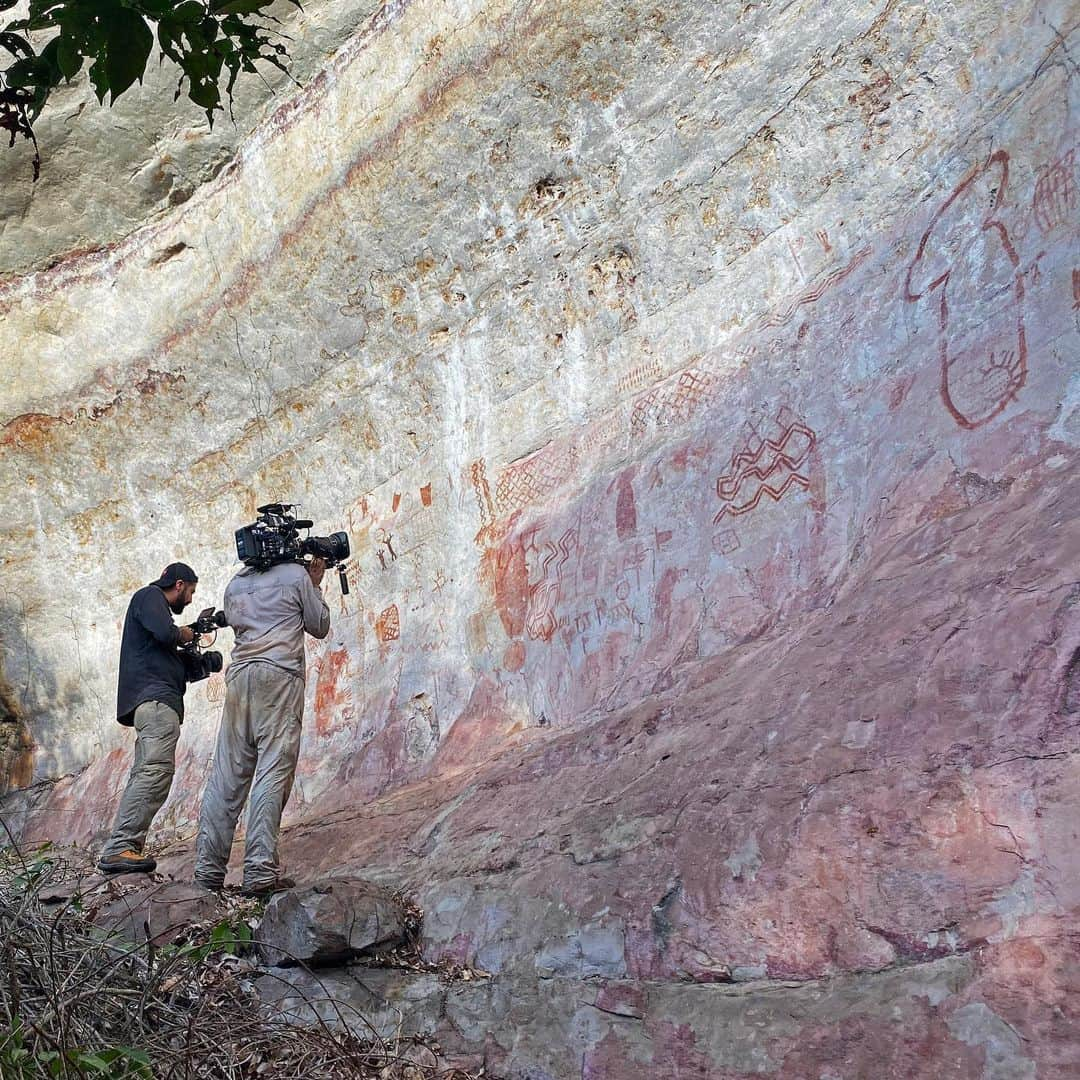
{"x":150,"y":666}
{"x":269,"y":612}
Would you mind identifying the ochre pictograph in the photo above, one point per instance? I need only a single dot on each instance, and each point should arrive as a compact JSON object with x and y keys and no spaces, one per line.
{"x":983,"y":360}
{"x":541,"y":622}
{"x":625,"y":506}
{"x":388,"y":624}
{"x":215,"y":689}
{"x":812,"y":293}
{"x":639,"y":376}
{"x":675,"y":400}
{"x":766,"y":466}
{"x":1054,"y":200}
{"x":486,"y":507}
{"x":559,"y":553}
{"x":724,"y":543}
{"x":529,"y":481}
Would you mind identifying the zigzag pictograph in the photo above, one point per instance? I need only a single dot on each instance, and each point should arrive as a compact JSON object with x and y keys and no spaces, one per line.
{"x":812,"y":294}
{"x":566,"y":541}
{"x":789,"y":452}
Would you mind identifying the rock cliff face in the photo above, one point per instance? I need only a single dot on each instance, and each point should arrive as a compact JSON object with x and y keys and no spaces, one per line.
{"x":699,"y":388}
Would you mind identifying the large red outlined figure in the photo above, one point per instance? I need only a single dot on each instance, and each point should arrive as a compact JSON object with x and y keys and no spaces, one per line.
{"x":984,"y":359}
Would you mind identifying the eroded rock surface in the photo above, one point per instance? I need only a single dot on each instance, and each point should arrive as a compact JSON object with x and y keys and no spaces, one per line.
{"x":699,"y":388}
{"x":329,"y":923}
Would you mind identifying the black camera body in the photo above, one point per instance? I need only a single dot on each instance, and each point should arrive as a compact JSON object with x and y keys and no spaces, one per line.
{"x":275,"y":538}
{"x":200,"y":663}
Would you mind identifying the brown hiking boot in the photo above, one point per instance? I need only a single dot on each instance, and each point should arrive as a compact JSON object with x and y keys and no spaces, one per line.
{"x":259,"y":892}
{"x":127,"y":862}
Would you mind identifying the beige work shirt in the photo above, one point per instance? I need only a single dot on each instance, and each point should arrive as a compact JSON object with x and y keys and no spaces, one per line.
{"x":269,"y":611}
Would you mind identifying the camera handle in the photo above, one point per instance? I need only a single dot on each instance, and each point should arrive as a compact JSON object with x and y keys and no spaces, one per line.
{"x":343,"y":580}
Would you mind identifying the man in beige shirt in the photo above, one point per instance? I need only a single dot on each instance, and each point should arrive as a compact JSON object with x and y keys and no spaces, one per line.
{"x":259,"y":739}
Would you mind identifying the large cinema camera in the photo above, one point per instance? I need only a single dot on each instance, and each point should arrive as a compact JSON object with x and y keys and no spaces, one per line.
{"x":275,"y":538}
{"x":200,"y":661}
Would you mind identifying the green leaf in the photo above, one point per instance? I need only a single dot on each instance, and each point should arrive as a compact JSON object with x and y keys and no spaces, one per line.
{"x":189,"y":12}
{"x":22,"y":73}
{"x":140,"y":1057}
{"x":15,"y":44}
{"x":51,"y":70}
{"x":93,"y":1061}
{"x":99,"y":79}
{"x":167,"y":41}
{"x":68,"y":57}
{"x":128,"y":48}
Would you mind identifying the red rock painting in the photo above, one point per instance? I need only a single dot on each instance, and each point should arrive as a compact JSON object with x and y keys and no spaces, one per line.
{"x":541,"y":622}
{"x":812,"y":293}
{"x":526,"y":482}
{"x":675,"y":401}
{"x":1054,"y":201}
{"x":724,"y":543}
{"x":514,"y":657}
{"x":984,"y":366}
{"x":388,"y":624}
{"x":559,"y":554}
{"x":328,"y":693}
{"x":766,"y":467}
{"x":505,"y":569}
{"x":625,"y":513}
{"x":640,"y":375}
{"x":215,"y":689}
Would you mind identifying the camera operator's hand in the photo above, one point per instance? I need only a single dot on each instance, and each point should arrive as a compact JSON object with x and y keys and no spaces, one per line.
{"x":186,"y":635}
{"x":316,"y":568}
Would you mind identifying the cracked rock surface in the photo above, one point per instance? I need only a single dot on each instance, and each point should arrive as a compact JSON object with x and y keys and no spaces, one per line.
{"x":699,"y":388}
{"x":328,"y":923}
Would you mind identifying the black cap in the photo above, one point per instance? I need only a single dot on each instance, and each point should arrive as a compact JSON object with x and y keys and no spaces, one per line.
{"x":174,"y":572}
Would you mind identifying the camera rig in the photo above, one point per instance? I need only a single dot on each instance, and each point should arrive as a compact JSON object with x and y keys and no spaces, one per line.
{"x":200,"y":661}
{"x":275,"y":538}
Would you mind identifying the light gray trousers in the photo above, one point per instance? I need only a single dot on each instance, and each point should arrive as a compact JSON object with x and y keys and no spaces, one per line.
{"x":257,"y":747}
{"x":157,"y":728}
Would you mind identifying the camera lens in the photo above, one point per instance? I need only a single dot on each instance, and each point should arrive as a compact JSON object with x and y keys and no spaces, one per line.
{"x":333,"y":548}
{"x":338,"y":543}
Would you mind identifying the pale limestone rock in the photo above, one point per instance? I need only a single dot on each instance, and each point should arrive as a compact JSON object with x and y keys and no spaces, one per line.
{"x":698,"y":387}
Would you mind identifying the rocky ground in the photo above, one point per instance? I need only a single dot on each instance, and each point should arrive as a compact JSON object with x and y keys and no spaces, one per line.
{"x":136,"y":976}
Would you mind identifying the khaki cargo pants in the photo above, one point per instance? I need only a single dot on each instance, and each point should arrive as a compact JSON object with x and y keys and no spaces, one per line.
{"x":257,"y":747}
{"x":157,"y":728}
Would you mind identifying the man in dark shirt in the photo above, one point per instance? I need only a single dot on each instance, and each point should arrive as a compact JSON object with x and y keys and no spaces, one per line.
{"x":150,"y":698}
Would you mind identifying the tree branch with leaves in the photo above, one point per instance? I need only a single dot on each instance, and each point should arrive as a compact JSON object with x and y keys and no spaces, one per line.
{"x":211,"y":42}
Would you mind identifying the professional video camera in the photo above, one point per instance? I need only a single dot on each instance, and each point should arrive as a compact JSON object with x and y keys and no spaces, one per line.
{"x":275,"y":538}
{"x":200,"y":662}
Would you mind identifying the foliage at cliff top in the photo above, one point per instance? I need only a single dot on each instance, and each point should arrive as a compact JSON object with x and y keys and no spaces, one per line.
{"x":211,"y":42}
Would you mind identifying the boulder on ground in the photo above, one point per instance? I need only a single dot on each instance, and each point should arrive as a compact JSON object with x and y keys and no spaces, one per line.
{"x":329,"y":923}
{"x":154,"y":911}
